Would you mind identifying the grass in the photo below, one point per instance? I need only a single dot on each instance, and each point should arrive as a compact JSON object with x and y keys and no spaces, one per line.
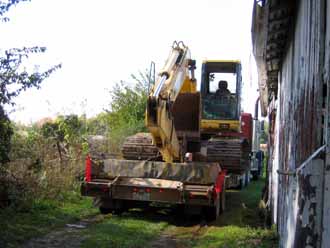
{"x":235,"y":236}
{"x":239,"y":226}
{"x":128,"y":231}
{"x":42,"y":217}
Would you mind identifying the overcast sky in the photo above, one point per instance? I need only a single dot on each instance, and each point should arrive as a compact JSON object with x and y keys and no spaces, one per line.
{"x":102,"y":42}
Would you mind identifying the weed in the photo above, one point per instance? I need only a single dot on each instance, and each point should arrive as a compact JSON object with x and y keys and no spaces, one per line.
{"x":123,"y":232}
{"x":239,"y":226}
{"x":41,"y":217}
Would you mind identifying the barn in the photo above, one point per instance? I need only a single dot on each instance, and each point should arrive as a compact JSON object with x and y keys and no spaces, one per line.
{"x":291,"y":45}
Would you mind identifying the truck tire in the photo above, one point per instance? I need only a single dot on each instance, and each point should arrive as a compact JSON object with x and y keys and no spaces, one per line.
{"x":247,"y":176}
{"x":222,"y":199}
{"x":118,"y":211}
{"x":104,"y":210}
{"x":241,"y":184}
{"x":212,"y":213}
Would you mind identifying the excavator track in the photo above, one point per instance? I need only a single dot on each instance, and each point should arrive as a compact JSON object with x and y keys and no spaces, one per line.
{"x":231,"y":154}
{"x":140,"y":147}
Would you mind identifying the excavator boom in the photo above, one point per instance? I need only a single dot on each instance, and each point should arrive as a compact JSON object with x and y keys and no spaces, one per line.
{"x":176,"y":75}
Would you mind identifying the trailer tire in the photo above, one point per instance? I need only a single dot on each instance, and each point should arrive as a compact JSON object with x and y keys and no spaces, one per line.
{"x":222,"y":199}
{"x":105,"y":210}
{"x":118,"y":211}
{"x":213,"y":212}
{"x":255,"y":177}
{"x":247,"y":178}
{"x":241,"y":184}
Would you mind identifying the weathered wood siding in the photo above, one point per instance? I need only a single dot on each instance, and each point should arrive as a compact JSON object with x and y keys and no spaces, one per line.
{"x":325,"y":235}
{"x":300,"y":129}
{"x":300,"y":118}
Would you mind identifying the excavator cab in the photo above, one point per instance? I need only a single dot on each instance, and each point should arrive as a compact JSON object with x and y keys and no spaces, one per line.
{"x":221,"y":95}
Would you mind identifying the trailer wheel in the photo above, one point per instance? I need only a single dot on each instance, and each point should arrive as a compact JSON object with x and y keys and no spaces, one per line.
{"x":241,"y":184}
{"x":222,"y":199}
{"x":255,"y":176}
{"x":104,"y":210}
{"x":118,"y":211}
{"x":213,"y":212}
{"x":247,"y":178}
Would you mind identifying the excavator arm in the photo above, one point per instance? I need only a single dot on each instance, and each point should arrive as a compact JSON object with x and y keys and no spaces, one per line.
{"x":177,"y":76}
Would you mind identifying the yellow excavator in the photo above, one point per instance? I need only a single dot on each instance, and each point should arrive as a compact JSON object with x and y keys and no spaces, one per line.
{"x":208,"y":124}
{"x":196,"y":141}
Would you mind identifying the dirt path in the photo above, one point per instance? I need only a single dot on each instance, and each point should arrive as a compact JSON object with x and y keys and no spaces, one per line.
{"x":164,"y":241}
{"x":69,"y":236}
{"x":169,"y":239}
{"x":72,"y":236}
{"x":179,"y":232}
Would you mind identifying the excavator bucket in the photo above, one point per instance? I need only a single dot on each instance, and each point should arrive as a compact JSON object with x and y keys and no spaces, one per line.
{"x":186,"y":114}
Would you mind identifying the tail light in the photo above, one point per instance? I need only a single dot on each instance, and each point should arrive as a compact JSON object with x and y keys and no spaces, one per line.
{"x":105,"y":189}
{"x":88,"y":169}
{"x":135,"y":190}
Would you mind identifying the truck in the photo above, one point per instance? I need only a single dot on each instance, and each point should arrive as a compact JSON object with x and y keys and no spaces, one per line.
{"x":258,"y":128}
{"x":197,"y":141}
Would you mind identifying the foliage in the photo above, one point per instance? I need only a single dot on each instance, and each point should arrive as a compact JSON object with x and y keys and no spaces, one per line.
{"x":52,"y":130}
{"x":67,"y":132}
{"x":264,"y":134}
{"x":5,"y":6}
{"x":14,"y":79}
{"x":127,"y":108}
{"x":70,"y":126}
{"x":46,"y":160}
{"x":6,"y":132}
{"x":98,"y":125}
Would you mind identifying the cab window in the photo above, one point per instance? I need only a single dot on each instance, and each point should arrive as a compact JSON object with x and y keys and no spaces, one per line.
{"x":215,"y":77}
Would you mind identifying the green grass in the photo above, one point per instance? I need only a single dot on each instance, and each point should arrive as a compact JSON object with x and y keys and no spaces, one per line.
{"x":42,"y":217}
{"x":235,"y":236}
{"x":239,"y":226}
{"x":128,"y":231}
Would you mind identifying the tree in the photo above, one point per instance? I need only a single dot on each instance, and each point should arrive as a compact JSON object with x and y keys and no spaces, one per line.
{"x":66,"y":132}
{"x":127,"y":107}
{"x":6,"y":132}
{"x":5,"y":6}
{"x":14,"y":79}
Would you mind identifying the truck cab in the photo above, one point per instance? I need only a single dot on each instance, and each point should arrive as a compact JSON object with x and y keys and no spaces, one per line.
{"x":221,"y":107}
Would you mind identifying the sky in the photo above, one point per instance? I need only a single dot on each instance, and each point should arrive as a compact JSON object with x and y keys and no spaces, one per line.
{"x":102,"y":42}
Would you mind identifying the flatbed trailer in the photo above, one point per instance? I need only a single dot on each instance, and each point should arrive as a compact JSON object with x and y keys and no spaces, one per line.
{"x":203,"y":190}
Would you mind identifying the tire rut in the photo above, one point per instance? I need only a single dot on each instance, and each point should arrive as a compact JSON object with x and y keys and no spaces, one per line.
{"x":170,"y":238}
{"x":68,"y":236}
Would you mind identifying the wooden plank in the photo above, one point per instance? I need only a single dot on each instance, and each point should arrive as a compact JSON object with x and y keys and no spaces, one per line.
{"x":325,"y":236}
